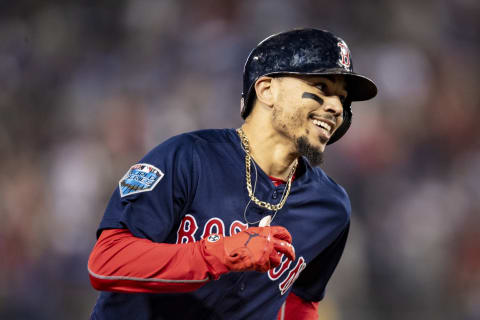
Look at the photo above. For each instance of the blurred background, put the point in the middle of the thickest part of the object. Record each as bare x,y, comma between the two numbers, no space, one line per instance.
87,87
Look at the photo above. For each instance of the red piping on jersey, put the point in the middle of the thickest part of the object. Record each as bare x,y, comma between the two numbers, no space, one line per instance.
295,308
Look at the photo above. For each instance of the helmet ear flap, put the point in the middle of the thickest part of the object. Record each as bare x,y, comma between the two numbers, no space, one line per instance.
243,108
347,121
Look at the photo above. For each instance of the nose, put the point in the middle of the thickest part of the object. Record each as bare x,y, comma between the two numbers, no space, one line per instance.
333,105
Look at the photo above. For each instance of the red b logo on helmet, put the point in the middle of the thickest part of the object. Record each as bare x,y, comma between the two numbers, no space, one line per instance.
345,55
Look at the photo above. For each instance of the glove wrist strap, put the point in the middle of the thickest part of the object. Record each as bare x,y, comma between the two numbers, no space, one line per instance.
213,252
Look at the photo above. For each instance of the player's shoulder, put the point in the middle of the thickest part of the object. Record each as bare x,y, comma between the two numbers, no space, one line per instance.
185,142
333,187
209,136
321,188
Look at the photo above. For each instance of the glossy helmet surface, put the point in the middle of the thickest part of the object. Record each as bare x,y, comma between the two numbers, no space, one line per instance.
306,52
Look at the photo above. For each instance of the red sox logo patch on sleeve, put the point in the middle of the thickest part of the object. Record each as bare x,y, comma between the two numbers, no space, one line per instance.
141,177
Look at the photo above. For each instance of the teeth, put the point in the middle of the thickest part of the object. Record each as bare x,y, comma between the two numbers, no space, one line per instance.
322,124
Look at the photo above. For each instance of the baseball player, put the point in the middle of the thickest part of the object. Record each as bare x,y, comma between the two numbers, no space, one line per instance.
238,223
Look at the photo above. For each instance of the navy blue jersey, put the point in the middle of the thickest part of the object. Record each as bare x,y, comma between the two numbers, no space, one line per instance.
194,185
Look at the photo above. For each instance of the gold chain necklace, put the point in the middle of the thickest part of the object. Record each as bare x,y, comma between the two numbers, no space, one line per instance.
248,158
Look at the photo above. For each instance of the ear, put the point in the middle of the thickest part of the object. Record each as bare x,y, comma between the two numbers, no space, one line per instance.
263,89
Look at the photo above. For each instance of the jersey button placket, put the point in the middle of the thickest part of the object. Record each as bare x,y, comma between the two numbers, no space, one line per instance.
277,193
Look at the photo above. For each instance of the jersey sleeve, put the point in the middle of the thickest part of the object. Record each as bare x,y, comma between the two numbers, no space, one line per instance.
154,193
311,284
295,308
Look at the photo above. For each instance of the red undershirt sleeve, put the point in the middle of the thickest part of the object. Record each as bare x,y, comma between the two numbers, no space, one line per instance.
121,262
295,308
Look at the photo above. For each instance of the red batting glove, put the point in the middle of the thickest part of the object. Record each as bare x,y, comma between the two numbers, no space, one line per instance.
254,249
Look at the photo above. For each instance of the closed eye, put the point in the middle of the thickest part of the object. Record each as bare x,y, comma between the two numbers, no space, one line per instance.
321,86
326,89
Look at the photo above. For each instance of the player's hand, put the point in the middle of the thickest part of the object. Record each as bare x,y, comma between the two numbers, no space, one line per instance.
257,248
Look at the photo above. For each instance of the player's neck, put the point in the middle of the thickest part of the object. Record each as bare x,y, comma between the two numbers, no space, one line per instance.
271,152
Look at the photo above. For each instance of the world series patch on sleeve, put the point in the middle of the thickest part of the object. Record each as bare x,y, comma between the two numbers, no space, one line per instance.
140,178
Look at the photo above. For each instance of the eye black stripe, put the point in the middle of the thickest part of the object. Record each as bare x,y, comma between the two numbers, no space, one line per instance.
313,96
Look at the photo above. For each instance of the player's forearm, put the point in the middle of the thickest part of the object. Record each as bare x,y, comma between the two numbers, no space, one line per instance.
123,263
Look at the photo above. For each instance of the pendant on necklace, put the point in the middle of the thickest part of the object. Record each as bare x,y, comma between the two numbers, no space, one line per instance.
265,222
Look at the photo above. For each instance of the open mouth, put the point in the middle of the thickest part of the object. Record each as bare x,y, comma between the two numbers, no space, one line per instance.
325,127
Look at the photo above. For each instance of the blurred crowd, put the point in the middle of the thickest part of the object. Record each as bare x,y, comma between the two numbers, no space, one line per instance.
86,88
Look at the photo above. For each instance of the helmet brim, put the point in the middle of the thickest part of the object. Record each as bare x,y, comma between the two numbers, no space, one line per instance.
359,88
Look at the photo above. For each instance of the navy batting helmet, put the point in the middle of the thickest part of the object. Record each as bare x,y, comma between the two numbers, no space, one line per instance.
306,52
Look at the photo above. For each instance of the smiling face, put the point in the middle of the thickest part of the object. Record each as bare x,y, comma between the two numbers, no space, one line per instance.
308,110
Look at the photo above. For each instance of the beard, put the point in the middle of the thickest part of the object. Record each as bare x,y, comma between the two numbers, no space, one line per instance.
313,154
